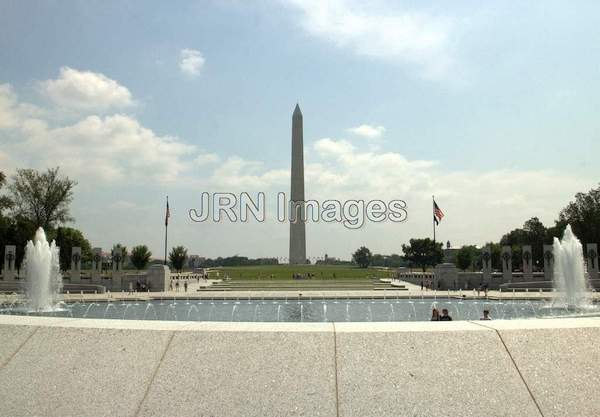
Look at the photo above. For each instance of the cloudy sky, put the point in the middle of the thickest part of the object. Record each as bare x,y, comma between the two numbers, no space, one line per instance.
491,106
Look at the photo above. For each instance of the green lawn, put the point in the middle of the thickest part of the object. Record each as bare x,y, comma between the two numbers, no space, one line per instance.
285,272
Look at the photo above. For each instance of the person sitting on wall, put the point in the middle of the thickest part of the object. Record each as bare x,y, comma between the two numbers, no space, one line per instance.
445,316
486,315
435,315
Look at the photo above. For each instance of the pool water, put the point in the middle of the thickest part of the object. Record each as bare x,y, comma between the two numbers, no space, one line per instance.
315,310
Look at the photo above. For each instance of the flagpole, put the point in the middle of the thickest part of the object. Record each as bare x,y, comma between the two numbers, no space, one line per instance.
166,229
433,217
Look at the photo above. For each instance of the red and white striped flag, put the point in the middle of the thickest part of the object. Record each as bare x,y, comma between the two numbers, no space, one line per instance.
438,214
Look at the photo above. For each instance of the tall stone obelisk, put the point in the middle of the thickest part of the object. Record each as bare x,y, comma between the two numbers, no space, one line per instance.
297,217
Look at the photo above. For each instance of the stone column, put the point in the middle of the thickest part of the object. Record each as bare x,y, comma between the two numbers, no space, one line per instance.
592,260
75,272
10,258
486,260
158,277
446,275
548,263
527,263
117,269
96,272
506,260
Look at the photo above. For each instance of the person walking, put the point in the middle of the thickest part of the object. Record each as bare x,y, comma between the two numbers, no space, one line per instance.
185,285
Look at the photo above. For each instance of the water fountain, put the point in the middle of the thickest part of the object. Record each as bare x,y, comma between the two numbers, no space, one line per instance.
44,281
570,278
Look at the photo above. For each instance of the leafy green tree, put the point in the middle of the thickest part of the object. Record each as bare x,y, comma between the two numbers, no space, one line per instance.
362,257
5,223
422,253
41,198
467,256
583,215
533,233
140,256
5,202
67,238
177,257
16,231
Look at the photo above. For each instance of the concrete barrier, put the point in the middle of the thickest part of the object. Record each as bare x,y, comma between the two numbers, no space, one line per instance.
86,367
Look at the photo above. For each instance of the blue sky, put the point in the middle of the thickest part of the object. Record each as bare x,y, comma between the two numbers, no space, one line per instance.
490,106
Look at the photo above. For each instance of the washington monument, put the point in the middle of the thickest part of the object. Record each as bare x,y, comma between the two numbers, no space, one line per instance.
297,217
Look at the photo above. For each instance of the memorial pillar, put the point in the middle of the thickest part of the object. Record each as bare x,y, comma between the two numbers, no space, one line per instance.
96,272
75,272
506,258
592,260
548,263
486,261
10,258
117,269
527,263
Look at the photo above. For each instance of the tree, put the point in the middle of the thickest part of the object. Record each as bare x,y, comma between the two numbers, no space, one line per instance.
140,256
583,215
466,257
42,198
16,231
423,253
362,257
533,233
177,257
5,202
67,238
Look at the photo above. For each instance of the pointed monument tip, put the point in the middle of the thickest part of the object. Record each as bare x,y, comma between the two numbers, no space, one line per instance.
297,110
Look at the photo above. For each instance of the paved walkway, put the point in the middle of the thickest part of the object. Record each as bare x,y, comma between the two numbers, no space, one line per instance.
413,292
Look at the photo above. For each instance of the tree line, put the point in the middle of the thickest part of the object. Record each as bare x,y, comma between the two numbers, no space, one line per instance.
583,214
31,199
35,199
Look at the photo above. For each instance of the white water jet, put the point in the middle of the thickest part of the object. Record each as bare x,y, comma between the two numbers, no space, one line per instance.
570,278
42,268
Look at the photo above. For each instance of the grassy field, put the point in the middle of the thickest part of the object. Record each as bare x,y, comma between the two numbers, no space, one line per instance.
285,272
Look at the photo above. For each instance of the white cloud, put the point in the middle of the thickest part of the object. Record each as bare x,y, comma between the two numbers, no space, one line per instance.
12,112
420,39
368,131
479,206
239,173
191,62
116,149
8,117
112,149
86,91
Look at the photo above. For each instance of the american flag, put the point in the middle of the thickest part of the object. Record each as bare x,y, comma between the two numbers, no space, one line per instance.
438,214
168,214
